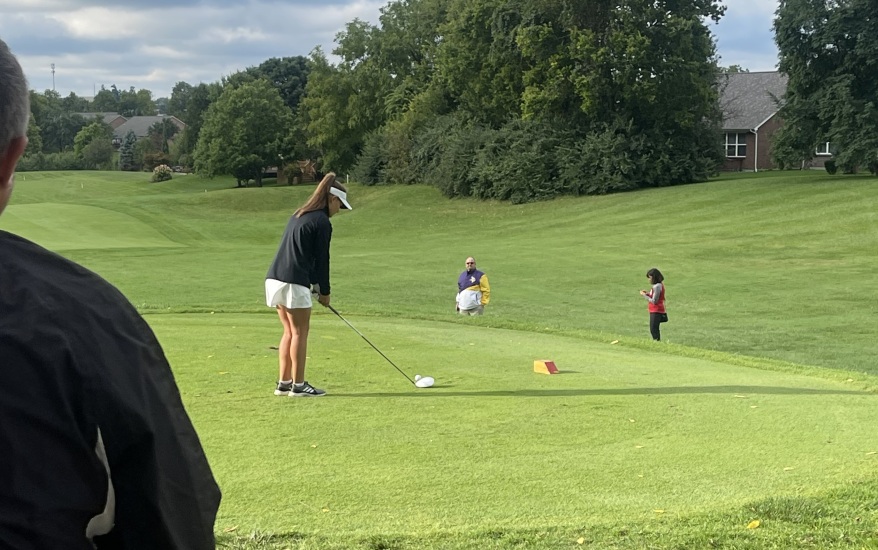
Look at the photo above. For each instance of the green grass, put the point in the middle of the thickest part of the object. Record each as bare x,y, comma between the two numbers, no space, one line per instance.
760,404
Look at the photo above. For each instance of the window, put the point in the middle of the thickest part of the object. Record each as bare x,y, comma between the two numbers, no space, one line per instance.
736,145
823,149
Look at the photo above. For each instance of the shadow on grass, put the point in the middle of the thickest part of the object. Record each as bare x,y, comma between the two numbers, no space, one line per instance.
737,390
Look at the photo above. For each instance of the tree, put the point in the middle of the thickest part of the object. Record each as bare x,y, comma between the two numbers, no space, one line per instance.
126,152
74,104
733,69
635,80
829,51
161,132
243,132
97,130
288,74
59,130
136,103
98,154
105,101
177,104
327,116
34,139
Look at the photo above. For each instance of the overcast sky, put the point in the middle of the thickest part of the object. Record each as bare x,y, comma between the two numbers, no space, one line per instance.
154,44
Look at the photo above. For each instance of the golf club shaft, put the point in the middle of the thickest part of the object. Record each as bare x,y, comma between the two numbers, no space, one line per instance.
371,344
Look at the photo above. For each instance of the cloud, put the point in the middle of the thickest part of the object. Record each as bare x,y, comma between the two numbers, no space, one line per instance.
96,43
745,36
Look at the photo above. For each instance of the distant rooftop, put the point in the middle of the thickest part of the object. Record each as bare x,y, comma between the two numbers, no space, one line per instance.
140,125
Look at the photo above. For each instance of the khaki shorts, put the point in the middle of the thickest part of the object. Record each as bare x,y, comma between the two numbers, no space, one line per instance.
477,311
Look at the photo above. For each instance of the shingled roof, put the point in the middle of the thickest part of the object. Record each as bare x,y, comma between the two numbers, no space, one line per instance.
108,118
140,125
750,99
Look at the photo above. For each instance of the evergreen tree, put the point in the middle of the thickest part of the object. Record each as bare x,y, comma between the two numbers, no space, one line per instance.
126,152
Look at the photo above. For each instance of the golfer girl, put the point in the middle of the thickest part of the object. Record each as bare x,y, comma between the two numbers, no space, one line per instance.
656,298
302,264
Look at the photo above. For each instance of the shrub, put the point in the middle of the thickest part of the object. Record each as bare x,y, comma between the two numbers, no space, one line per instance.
831,167
162,172
444,154
65,160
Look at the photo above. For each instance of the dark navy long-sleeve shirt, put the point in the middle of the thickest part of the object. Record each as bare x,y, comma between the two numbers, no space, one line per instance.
94,439
303,255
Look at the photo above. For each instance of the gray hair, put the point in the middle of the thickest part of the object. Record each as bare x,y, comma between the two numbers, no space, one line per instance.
14,98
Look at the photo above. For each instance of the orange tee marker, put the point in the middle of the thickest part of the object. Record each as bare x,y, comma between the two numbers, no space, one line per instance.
545,367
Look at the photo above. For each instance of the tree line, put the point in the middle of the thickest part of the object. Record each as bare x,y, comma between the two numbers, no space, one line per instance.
514,100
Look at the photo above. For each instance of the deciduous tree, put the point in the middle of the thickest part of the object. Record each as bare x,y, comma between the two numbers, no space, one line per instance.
829,51
97,130
243,132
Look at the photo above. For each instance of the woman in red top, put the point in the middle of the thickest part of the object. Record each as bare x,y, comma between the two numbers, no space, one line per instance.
656,298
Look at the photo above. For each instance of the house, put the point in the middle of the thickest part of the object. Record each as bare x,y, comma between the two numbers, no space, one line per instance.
750,102
140,125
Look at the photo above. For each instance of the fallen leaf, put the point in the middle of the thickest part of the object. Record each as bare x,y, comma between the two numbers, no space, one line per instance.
788,468
230,529
614,342
754,406
631,420
580,540
872,453
850,379
326,510
741,396
659,511
754,524
638,446
223,372
209,356
639,475
313,446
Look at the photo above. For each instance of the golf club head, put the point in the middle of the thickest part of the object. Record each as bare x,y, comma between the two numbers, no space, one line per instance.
424,381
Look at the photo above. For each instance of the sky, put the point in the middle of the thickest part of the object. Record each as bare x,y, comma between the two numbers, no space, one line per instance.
154,44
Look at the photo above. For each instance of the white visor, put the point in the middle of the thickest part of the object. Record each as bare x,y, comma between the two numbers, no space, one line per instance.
342,196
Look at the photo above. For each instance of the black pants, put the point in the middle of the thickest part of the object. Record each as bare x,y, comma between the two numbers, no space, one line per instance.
655,320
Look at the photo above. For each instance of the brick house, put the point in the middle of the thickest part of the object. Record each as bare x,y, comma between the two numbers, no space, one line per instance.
750,103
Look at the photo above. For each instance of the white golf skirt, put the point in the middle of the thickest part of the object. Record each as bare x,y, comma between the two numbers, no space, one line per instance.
279,293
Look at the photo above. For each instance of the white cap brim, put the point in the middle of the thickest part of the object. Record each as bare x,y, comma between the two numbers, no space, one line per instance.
342,196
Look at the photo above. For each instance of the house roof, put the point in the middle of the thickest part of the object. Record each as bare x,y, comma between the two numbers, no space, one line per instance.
107,117
750,99
140,125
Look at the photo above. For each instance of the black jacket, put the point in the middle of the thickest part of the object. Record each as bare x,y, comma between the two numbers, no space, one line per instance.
303,255
77,360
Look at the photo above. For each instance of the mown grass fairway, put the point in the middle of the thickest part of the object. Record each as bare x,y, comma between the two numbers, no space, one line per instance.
761,405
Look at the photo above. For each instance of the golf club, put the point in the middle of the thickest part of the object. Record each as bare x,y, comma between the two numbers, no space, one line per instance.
422,382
